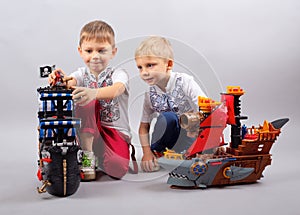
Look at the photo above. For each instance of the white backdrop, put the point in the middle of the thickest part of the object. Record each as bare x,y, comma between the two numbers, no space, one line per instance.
251,43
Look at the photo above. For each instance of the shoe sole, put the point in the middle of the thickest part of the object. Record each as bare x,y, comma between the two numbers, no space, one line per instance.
88,176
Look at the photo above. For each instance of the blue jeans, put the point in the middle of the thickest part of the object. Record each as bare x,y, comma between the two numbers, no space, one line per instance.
167,133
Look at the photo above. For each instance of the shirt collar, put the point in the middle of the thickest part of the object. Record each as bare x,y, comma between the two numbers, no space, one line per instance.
101,75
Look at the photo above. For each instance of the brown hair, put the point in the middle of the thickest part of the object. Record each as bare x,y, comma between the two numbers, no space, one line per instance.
98,30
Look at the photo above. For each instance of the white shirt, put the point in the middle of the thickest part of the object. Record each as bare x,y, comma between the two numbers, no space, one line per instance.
114,112
181,96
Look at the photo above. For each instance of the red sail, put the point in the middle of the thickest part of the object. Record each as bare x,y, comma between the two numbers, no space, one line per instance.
229,101
211,135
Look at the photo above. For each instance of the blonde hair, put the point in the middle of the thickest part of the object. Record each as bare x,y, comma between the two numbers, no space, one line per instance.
155,46
98,30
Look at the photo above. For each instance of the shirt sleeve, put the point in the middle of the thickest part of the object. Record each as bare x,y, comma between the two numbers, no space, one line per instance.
78,75
120,75
147,110
193,91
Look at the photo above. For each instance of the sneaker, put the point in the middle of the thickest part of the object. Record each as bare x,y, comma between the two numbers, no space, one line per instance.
88,166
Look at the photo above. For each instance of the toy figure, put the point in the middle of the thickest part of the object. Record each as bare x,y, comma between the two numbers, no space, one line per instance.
59,151
206,162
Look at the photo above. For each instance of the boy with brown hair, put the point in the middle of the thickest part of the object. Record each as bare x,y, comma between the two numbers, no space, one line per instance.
101,95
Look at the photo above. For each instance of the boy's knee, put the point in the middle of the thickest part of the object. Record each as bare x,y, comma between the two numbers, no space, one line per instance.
116,166
166,131
168,120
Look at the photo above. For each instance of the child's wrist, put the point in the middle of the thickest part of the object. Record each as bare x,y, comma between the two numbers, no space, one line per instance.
146,149
96,93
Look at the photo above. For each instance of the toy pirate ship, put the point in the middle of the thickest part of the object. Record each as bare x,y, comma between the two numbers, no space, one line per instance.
207,162
59,151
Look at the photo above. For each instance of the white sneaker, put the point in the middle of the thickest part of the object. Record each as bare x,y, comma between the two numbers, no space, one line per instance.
88,166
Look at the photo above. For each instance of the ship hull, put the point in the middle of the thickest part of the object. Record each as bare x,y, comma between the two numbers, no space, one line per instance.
257,162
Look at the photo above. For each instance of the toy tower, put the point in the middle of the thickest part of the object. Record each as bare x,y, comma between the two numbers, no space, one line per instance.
236,136
59,150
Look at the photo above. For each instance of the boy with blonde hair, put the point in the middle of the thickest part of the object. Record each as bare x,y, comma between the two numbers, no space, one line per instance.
101,95
170,94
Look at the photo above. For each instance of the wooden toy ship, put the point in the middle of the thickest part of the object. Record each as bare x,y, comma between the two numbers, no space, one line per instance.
59,151
207,162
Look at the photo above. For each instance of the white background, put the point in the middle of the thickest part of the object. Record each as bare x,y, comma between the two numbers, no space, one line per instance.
254,44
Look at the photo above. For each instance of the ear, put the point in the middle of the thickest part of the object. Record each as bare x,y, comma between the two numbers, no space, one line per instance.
170,64
114,51
79,50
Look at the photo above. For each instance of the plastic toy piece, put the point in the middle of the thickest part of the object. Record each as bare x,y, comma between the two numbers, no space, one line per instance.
206,105
205,163
171,154
46,183
235,90
59,151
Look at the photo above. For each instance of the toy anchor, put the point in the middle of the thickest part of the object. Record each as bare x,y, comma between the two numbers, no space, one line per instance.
46,183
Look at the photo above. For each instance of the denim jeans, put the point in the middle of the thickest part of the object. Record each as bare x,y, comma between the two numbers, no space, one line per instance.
167,133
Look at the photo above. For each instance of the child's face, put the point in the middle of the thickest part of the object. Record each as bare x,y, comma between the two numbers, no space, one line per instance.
154,70
96,55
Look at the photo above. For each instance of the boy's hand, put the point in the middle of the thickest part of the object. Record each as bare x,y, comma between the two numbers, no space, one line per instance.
149,163
83,95
52,77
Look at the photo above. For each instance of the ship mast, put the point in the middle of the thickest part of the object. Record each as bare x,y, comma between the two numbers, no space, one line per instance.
236,131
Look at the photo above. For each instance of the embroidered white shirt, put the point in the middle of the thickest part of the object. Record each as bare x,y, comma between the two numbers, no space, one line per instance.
114,112
181,96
